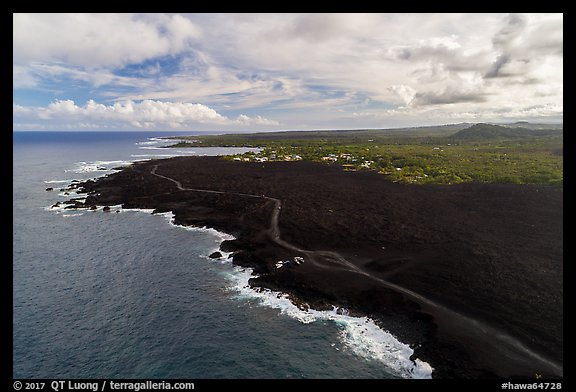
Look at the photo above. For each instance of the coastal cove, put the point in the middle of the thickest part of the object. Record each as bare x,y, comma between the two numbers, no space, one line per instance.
378,249
127,295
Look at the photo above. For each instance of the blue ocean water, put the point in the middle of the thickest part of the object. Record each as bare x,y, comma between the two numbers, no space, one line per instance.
130,295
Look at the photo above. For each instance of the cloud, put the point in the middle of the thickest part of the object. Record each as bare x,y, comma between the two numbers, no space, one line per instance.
99,40
258,120
23,78
316,28
405,93
92,48
446,50
144,114
504,42
521,46
514,25
466,113
447,97
94,78
317,68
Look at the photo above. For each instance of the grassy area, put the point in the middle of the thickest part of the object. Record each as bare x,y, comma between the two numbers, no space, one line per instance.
415,159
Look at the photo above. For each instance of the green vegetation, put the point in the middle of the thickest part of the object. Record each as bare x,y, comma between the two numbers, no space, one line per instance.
489,131
440,155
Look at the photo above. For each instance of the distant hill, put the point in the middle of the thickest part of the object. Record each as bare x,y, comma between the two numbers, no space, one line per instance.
483,131
427,131
529,125
375,134
460,131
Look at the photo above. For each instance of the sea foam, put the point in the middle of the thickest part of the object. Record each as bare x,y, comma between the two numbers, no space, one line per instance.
153,140
105,166
153,156
68,181
359,334
151,148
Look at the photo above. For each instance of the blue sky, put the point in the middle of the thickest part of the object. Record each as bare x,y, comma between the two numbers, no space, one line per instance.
252,72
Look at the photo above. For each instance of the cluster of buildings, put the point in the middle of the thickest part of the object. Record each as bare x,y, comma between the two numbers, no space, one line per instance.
272,157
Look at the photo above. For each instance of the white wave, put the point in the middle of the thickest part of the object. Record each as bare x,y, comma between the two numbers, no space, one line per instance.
60,181
119,162
154,156
169,216
151,141
61,207
71,215
366,339
146,210
151,148
219,236
102,166
359,334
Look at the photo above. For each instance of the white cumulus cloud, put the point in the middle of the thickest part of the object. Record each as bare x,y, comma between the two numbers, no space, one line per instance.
99,40
143,114
314,69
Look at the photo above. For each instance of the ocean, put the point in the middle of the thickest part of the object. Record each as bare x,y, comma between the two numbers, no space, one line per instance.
131,295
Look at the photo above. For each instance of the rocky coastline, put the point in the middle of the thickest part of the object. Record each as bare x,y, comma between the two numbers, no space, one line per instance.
427,263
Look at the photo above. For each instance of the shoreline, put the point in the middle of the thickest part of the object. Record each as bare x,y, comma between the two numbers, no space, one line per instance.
384,346
433,335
